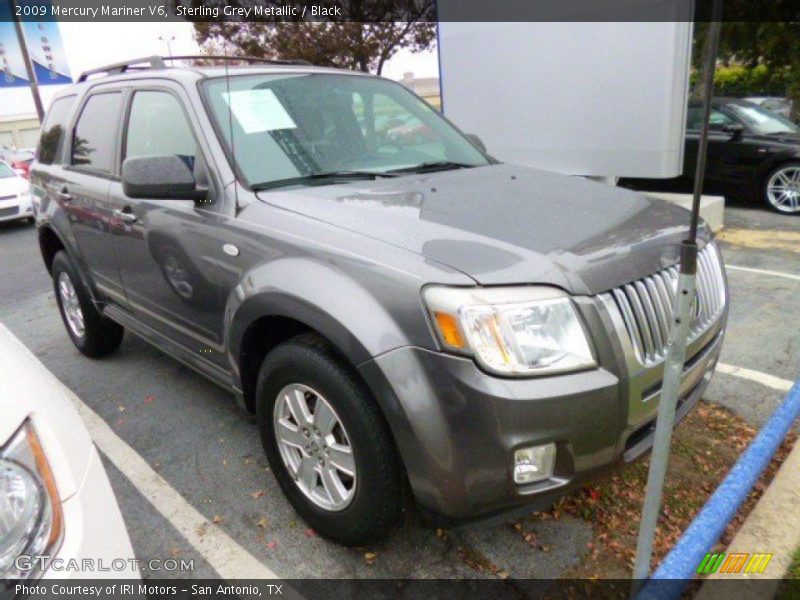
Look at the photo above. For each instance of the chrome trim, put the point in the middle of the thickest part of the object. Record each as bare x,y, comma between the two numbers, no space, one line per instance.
647,305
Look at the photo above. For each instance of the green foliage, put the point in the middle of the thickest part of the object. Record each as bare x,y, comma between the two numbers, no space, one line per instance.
741,80
765,54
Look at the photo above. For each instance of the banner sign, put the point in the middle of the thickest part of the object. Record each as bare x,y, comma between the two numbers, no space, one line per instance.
44,48
12,66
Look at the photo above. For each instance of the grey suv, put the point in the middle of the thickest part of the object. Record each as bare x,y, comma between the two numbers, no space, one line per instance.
401,312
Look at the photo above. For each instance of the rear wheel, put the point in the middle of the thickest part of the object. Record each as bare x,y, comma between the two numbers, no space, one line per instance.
92,333
782,189
327,443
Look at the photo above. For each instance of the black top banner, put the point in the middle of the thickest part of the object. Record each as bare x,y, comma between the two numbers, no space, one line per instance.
374,11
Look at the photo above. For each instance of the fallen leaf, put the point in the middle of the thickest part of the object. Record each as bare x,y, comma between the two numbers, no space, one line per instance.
149,399
310,533
272,544
257,494
263,522
216,520
503,574
121,408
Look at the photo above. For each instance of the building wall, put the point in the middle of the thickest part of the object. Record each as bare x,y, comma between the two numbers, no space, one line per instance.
19,131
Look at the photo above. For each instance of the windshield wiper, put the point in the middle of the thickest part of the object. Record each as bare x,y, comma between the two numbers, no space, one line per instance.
333,175
439,165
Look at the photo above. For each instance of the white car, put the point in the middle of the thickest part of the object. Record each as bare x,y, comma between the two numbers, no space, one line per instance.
56,502
15,195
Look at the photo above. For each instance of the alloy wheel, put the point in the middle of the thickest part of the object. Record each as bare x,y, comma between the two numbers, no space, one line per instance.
314,447
783,189
71,305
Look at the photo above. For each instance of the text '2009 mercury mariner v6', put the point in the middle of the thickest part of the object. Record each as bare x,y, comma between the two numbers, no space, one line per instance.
398,309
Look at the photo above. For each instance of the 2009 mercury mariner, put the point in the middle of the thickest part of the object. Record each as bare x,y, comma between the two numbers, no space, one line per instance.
400,310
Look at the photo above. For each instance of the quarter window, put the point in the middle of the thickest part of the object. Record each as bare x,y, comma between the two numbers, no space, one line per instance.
157,126
95,134
49,149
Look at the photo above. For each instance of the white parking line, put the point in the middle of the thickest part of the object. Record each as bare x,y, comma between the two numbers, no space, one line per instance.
763,272
225,556
776,383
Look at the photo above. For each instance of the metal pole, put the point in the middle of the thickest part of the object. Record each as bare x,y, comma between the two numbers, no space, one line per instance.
37,99
679,332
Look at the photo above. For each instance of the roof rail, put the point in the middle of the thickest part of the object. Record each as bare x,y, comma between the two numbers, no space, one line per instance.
160,62
155,62
270,61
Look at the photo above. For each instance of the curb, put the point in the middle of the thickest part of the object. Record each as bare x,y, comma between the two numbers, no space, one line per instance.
771,528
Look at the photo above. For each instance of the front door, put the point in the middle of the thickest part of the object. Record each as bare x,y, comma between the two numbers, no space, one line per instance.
166,248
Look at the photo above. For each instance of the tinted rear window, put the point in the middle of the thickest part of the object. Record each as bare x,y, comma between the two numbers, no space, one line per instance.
95,134
55,123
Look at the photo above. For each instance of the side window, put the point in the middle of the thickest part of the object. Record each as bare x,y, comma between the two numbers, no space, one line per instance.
157,126
95,134
50,142
716,120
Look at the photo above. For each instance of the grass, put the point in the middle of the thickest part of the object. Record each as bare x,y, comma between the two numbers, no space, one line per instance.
790,589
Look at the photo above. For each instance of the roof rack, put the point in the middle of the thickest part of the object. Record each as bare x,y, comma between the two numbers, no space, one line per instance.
160,62
155,62
251,59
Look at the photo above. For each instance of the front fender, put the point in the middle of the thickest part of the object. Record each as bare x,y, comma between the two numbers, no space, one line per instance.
357,316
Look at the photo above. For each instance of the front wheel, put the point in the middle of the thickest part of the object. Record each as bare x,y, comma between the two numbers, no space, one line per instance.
92,333
782,189
327,443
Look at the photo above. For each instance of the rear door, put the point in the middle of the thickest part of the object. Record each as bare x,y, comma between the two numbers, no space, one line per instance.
90,170
168,249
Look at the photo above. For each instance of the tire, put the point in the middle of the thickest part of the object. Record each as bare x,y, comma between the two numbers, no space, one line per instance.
99,336
781,190
375,497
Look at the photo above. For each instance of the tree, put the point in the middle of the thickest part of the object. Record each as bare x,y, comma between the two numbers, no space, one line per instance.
747,40
367,35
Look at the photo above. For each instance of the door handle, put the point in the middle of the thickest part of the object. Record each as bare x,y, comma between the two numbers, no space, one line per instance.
125,215
64,195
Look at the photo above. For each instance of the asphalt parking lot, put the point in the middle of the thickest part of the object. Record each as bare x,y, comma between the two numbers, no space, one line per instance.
208,451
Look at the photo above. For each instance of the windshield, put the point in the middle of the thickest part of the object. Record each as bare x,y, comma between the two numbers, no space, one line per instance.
6,171
290,127
763,121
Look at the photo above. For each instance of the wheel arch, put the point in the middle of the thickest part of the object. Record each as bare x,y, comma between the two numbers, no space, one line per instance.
49,244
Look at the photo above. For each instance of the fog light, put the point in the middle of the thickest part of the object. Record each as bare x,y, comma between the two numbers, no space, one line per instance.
534,463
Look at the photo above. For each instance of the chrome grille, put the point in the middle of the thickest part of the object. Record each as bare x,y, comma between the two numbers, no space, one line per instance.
647,305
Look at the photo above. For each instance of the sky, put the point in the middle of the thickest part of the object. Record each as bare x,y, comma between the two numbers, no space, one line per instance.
89,45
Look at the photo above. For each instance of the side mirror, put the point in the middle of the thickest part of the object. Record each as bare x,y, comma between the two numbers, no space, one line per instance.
159,178
476,141
735,130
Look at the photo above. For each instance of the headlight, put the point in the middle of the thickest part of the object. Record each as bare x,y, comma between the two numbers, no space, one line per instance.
30,509
521,331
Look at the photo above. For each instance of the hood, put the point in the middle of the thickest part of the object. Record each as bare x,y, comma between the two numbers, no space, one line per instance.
504,224
11,186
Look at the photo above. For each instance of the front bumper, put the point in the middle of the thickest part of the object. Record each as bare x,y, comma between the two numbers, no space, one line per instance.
18,207
457,427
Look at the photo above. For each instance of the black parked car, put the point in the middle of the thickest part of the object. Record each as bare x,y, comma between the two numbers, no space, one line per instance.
752,152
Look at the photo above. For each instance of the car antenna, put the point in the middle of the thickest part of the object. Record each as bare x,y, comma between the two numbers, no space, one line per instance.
230,120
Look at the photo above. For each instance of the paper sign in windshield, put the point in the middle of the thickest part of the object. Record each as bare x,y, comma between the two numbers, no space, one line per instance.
258,110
